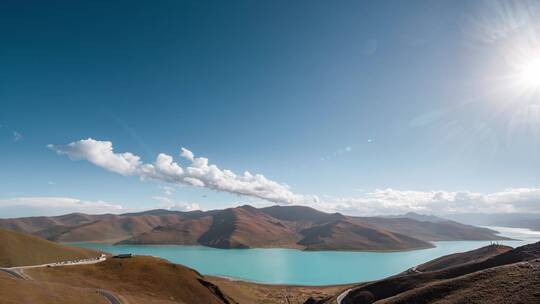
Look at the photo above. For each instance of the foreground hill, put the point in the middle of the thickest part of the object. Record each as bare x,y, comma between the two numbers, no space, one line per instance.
462,258
248,227
16,291
492,274
20,250
139,279
136,280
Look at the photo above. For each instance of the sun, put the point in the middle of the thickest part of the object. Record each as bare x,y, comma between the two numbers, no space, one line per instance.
529,74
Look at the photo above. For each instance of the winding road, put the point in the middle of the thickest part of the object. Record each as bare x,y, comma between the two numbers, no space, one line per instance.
343,295
109,296
16,272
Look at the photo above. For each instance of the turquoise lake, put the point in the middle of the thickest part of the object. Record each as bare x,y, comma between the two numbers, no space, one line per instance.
289,266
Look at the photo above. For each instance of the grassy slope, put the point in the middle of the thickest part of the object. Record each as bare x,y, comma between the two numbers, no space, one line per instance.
20,250
143,280
15,291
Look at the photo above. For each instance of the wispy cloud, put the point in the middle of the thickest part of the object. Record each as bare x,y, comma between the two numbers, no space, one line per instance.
339,152
25,206
198,173
391,201
169,204
167,190
17,136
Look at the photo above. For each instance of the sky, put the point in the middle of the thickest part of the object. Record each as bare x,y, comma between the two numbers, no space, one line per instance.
359,107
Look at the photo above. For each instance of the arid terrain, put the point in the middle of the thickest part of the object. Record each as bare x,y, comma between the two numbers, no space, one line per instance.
248,292
248,227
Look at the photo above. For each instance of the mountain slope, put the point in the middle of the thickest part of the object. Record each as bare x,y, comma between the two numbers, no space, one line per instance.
245,227
514,283
432,231
38,223
112,228
348,235
20,250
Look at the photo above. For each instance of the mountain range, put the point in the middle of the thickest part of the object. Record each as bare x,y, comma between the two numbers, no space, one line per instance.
249,227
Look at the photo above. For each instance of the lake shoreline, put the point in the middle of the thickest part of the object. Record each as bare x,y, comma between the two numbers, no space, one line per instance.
293,267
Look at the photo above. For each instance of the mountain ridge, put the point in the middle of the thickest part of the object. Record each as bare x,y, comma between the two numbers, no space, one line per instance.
297,227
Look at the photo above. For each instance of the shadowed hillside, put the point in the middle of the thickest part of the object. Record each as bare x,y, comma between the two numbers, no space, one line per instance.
461,258
354,236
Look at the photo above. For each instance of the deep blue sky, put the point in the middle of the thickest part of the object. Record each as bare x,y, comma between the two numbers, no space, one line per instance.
330,97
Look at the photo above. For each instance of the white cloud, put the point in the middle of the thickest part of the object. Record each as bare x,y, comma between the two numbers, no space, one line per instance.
185,153
100,153
198,173
27,206
390,201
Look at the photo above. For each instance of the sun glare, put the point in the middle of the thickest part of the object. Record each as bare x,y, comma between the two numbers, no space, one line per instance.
529,74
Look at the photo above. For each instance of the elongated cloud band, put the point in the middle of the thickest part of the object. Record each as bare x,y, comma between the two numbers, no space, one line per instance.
198,173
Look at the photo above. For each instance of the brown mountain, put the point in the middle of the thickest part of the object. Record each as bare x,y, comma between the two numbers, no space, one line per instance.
248,227
349,235
19,249
493,274
306,228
